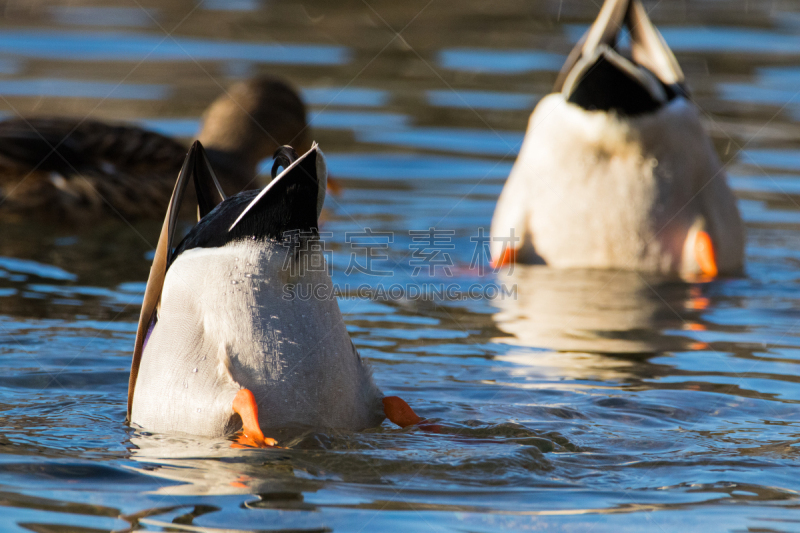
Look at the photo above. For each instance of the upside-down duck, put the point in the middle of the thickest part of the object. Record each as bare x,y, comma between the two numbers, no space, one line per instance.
225,340
616,170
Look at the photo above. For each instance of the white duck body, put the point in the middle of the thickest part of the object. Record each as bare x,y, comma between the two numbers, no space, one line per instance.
226,323
592,189
616,170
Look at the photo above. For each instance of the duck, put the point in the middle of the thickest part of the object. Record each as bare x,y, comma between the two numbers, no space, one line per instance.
226,343
616,170
77,170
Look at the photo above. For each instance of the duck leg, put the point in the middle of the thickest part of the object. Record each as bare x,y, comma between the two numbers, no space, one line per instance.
245,406
704,254
399,412
509,257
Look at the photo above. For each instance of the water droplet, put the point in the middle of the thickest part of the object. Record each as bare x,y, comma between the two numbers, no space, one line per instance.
195,370
199,410
234,282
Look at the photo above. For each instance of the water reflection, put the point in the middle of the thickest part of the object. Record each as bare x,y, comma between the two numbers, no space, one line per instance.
613,312
201,467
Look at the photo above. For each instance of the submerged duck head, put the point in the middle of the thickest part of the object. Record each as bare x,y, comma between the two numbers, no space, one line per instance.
599,76
225,341
248,124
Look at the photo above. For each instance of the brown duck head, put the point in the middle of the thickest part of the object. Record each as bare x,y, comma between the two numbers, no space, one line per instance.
248,124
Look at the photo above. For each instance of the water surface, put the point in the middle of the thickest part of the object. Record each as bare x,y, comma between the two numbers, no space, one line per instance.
588,401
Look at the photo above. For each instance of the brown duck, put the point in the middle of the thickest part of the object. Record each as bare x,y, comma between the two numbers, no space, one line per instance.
67,169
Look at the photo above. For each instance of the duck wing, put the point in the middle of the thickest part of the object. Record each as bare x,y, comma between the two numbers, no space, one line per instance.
208,193
69,146
649,49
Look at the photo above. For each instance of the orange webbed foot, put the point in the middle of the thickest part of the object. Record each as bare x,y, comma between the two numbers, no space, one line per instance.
245,406
508,257
704,254
398,411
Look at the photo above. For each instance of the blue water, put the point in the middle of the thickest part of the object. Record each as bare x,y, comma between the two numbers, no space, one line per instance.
583,401
113,46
